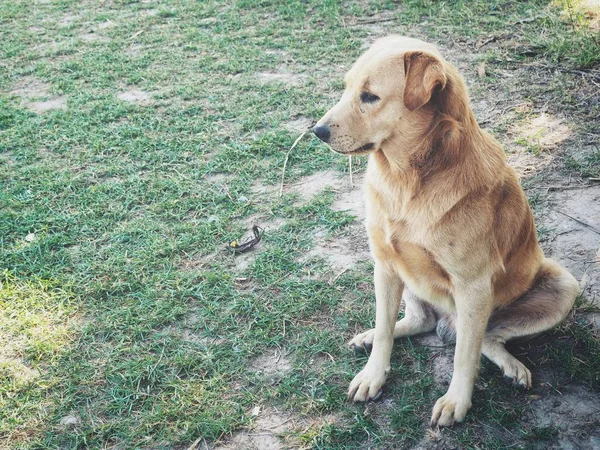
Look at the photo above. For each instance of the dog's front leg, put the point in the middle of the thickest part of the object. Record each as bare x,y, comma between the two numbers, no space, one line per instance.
473,308
367,383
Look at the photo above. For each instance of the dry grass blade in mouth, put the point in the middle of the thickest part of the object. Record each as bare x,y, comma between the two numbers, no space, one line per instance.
287,156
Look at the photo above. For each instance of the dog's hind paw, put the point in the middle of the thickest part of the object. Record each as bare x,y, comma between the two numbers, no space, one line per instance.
517,373
362,342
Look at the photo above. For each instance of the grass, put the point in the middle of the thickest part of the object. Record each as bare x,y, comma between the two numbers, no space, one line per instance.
124,322
586,166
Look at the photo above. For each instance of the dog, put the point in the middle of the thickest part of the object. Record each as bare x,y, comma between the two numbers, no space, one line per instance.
449,226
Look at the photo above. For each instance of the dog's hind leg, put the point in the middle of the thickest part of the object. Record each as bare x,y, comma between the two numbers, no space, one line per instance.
545,305
419,317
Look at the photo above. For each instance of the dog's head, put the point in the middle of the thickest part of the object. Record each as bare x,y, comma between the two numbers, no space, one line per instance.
390,89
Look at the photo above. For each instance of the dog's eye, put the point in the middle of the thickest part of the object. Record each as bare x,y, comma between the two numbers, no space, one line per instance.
367,97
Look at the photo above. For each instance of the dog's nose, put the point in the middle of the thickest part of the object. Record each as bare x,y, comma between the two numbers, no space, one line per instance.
322,132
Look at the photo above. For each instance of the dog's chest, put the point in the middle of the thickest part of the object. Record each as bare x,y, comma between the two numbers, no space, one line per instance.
400,235
404,221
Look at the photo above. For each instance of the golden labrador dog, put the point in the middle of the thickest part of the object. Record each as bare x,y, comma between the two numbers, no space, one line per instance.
448,223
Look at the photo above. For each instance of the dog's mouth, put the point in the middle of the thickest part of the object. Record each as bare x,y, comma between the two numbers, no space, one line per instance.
361,149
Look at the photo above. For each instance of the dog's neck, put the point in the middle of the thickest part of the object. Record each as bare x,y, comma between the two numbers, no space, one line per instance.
433,144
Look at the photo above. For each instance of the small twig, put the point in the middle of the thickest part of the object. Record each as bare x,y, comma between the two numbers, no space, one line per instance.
136,34
350,169
162,353
280,424
287,156
581,222
504,111
492,38
194,446
435,355
594,179
334,279
557,188
330,357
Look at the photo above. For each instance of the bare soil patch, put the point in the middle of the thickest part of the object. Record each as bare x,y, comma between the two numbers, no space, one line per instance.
35,95
544,131
443,357
283,76
259,188
311,185
135,50
48,105
69,19
271,363
195,263
106,25
134,95
351,199
573,244
527,164
341,253
264,433
299,125
94,37
265,221
574,411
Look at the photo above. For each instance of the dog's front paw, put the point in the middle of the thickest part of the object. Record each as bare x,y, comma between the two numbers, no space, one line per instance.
363,341
449,409
367,384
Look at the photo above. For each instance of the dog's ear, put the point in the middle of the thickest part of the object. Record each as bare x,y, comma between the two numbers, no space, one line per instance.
423,75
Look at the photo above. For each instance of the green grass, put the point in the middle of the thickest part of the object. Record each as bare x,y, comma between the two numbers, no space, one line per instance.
561,33
587,166
121,306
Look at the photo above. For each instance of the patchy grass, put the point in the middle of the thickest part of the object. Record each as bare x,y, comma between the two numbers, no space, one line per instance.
38,325
560,31
137,139
587,166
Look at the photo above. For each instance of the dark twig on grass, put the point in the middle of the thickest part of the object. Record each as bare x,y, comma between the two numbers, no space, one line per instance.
557,187
589,74
561,188
504,111
367,22
528,19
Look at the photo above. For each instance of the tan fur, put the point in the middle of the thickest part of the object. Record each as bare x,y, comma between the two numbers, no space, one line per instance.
449,225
